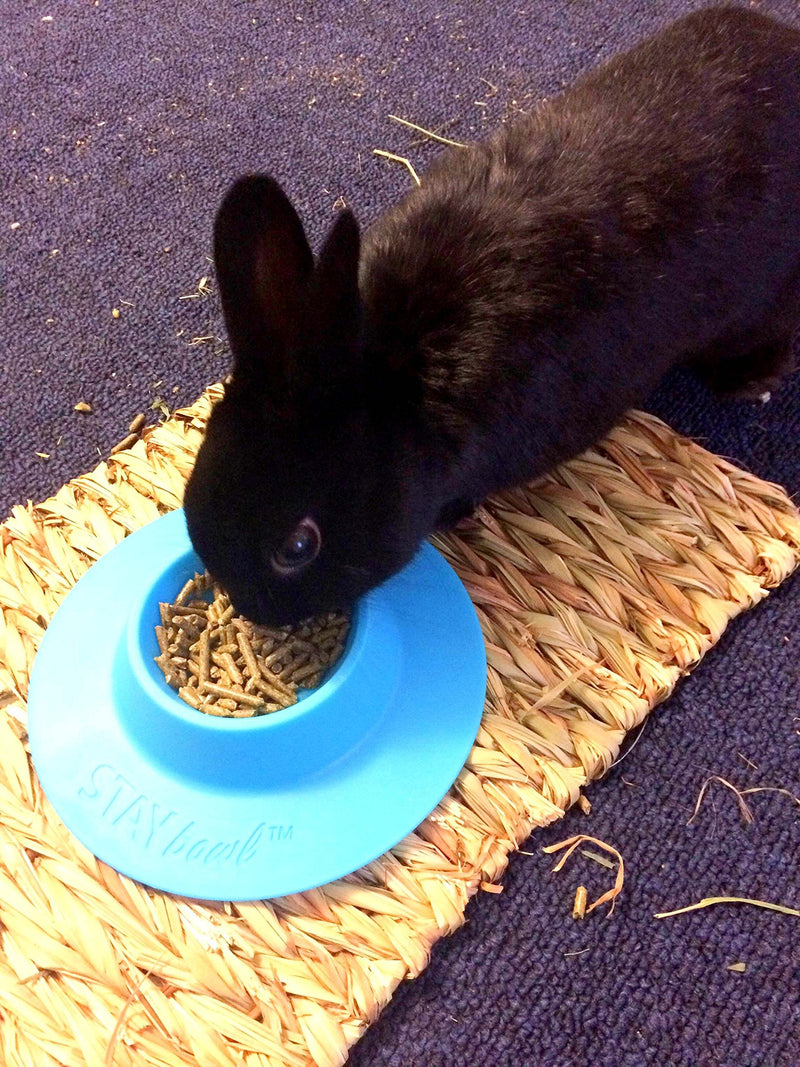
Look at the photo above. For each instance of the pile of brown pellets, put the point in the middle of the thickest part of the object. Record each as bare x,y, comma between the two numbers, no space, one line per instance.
223,664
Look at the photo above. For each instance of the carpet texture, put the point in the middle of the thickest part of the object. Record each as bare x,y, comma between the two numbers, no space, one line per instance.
121,129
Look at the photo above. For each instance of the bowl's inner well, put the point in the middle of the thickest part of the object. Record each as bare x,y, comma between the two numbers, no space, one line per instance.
222,664
143,648
324,725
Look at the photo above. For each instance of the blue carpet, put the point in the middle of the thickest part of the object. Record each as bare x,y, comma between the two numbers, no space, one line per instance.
121,127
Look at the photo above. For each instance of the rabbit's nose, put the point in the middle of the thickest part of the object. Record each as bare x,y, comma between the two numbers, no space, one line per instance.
247,605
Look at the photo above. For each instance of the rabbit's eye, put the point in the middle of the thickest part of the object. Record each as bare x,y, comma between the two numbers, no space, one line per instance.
299,549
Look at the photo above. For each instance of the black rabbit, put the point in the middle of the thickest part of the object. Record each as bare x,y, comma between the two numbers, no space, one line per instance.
503,316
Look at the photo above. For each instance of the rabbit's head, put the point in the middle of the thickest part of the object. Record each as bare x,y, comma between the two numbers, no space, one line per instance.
299,498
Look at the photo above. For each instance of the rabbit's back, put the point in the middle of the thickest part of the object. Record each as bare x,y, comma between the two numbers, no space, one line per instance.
643,215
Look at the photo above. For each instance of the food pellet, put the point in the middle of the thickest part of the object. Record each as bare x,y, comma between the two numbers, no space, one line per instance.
579,907
223,664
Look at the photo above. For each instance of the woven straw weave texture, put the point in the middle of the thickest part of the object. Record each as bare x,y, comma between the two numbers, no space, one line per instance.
596,588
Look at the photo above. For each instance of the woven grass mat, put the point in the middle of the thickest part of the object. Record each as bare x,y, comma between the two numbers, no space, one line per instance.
596,588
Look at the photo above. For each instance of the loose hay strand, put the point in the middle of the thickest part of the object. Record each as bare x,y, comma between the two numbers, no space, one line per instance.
596,588
571,844
428,133
708,902
398,159
740,794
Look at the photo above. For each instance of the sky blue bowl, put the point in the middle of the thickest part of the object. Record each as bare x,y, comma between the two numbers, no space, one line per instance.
243,809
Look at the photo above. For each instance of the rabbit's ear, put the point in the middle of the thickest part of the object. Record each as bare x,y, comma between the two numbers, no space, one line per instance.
336,276
263,264
334,297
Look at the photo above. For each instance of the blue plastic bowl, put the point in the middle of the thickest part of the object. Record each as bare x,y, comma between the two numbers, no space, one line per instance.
242,809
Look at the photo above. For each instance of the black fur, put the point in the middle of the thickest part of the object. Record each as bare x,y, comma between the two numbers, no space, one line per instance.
503,316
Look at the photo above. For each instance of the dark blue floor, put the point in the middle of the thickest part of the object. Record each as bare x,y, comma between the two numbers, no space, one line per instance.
121,127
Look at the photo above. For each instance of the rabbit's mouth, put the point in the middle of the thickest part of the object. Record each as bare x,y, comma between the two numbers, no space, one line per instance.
266,607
